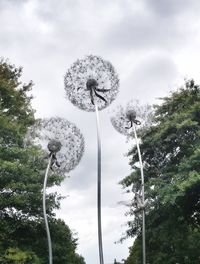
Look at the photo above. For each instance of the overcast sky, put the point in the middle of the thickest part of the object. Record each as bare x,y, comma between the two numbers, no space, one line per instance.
153,45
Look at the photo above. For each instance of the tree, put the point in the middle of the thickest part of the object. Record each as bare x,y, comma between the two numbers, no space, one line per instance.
21,178
171,152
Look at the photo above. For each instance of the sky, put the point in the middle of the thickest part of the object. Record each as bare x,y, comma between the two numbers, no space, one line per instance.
153,46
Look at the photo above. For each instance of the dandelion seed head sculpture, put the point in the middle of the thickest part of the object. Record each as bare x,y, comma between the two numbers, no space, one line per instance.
123,117
60,137
91,80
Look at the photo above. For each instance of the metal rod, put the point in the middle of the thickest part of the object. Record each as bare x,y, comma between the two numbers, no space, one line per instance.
143,199
44,212
99,187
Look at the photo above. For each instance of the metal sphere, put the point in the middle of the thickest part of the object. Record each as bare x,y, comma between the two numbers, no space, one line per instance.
91,84
131,115
87,74
54,146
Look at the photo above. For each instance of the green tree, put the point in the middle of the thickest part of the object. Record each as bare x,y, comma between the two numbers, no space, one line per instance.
171,154
21,179
15,255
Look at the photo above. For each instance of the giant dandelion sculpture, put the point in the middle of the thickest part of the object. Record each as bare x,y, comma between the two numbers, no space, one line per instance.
92,84
125,120
65,145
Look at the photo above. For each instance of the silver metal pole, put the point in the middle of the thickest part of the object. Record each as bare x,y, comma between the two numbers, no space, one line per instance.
99,187
45,214
143,199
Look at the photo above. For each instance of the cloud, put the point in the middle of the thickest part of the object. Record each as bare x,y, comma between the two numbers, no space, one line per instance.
170,8
144,30
150,25
147,77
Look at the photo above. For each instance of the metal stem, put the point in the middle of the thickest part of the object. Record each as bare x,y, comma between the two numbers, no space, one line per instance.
44,212
143,199
99,187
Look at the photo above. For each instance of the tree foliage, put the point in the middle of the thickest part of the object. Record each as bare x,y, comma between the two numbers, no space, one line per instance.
15,255
22,168
171,154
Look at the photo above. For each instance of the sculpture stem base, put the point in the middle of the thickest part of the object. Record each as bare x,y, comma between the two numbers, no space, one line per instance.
44,211
99,187
143,199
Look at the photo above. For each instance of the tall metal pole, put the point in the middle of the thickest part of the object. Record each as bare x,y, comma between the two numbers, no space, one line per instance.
99,187
143,199
45,214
